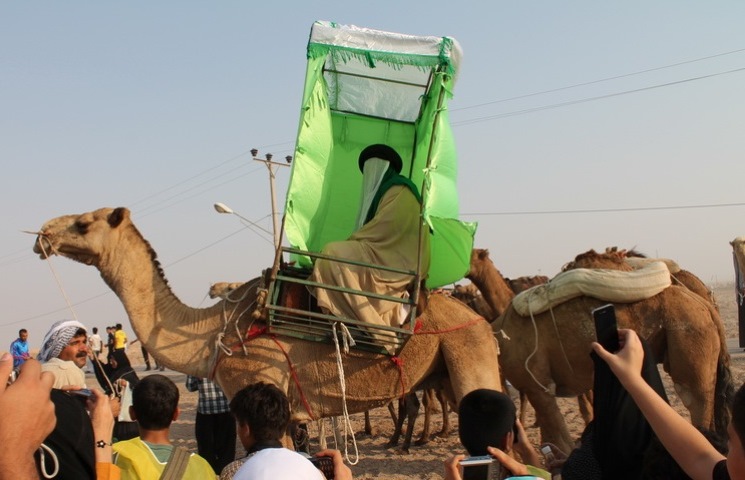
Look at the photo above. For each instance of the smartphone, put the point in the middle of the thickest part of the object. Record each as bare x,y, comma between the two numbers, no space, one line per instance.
484,467
325,465
83,392
606,328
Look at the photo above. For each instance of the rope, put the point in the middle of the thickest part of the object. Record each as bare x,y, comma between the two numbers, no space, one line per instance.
56,278
343,387
535,349
293,373
43,464
400,364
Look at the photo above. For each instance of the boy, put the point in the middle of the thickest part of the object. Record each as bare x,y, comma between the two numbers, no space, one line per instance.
154,407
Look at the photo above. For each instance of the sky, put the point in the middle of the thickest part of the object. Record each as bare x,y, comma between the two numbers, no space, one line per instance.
578,125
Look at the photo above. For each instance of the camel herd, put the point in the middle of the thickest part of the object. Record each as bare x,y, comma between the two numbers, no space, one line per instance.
543,354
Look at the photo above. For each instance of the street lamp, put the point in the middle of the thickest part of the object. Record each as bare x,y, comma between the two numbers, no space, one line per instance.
222,208
271,167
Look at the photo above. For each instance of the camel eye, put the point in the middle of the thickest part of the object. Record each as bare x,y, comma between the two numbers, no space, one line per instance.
81,227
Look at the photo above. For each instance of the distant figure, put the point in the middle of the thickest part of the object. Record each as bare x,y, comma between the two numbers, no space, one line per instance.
19,349
146,356
95,343
118,378
154,407
109,340
120,338
214,426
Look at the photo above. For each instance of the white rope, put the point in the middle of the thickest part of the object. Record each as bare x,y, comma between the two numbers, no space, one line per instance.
343,387
535,349
56,278
43,465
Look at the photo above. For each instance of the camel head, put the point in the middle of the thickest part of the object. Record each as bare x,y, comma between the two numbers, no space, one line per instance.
738,247
223,289
84,238
478,257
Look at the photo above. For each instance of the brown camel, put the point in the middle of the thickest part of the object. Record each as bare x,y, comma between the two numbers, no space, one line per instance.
497,292
451,340
548,355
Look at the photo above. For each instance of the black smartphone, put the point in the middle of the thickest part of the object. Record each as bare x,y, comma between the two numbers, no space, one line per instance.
606,328
325,465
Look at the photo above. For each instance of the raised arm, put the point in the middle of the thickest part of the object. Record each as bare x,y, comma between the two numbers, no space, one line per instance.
683,441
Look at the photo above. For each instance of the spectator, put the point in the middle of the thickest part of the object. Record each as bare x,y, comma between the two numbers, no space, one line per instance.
26,417
487,425
110,340
19,349
146,356
154,407
262,412
214,426
120,338
95,343
690,449
118,378
64,351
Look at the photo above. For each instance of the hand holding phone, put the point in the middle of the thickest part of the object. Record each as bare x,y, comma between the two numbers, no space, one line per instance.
606,328
325,465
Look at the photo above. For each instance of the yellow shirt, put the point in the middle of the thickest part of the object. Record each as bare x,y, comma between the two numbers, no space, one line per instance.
137,461
120,339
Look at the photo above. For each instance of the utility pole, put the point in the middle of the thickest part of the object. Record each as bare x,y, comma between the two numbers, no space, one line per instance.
272,167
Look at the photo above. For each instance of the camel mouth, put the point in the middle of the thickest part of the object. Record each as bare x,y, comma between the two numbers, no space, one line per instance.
43,247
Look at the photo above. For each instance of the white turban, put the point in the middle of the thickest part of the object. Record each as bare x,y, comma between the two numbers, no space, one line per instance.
57,338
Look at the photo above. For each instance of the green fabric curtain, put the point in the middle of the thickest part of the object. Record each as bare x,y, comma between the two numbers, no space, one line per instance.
342,113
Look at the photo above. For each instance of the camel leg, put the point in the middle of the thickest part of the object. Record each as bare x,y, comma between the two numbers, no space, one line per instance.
585,406
399,424
411,404
549,417
337,431
427,402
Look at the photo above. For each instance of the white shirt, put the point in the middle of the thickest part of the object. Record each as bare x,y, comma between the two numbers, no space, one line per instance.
276,464
95,342
65,373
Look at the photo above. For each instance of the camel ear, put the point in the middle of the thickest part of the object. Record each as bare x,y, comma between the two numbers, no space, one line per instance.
117,216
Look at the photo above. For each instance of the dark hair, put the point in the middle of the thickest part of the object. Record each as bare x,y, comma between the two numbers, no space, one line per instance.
384,152
95,330
154,400
118,326
485,417
264,408
23,330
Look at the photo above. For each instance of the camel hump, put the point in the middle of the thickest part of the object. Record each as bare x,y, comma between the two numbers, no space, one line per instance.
610,285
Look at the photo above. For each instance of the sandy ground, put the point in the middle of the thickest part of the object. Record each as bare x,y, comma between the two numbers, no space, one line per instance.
425,462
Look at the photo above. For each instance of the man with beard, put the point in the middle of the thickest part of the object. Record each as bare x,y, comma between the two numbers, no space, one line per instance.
64,353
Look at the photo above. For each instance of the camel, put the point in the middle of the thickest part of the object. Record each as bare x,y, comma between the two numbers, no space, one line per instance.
225,342
223,289
548,355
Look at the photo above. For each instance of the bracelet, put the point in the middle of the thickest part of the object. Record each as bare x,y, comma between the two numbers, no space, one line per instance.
102,444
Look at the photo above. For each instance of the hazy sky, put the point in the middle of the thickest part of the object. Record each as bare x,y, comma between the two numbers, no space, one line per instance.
635,110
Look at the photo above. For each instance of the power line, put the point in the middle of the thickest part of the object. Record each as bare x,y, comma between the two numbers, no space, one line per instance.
590,99
592,82
606,210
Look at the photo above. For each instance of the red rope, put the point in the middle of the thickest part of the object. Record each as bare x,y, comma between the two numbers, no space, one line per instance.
398,361
255,332
294,377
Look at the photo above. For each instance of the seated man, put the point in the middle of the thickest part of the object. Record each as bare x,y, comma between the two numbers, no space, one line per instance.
388,234
154,407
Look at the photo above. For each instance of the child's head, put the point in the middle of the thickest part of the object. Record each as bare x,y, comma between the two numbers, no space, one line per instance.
264,409
485,417
155,402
